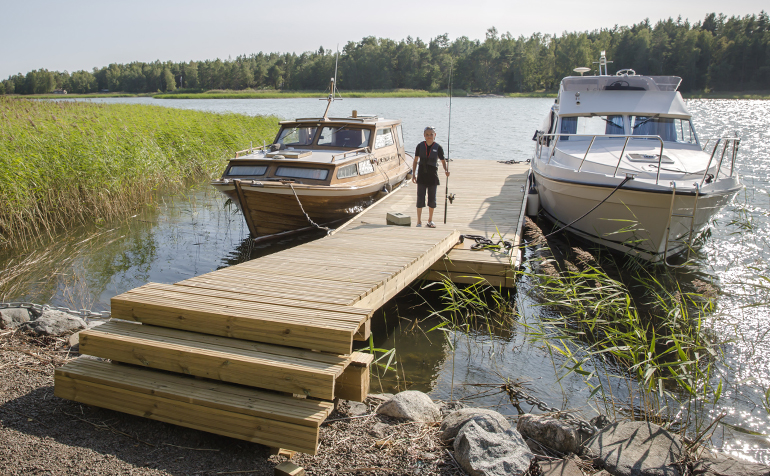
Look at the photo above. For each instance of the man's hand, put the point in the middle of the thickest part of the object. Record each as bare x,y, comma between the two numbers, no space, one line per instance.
414,178
447,173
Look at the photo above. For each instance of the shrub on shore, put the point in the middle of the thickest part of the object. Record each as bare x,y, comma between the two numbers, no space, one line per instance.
65,163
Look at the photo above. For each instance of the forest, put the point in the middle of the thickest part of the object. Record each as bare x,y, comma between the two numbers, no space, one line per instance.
715,54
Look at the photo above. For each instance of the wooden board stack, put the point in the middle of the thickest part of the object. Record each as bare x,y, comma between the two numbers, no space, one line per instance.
256,351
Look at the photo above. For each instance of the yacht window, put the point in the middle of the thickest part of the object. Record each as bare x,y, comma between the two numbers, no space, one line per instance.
247,170
344,136
668,128
590,126
347,171
384,138
365,167
302,172
296,135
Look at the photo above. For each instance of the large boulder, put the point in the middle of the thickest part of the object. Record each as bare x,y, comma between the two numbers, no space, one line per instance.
726,466
13,317
411,405
484,453
550,432
636,448
54,323
489,420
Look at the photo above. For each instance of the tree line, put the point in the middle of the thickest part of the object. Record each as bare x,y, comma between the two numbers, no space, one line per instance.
718,53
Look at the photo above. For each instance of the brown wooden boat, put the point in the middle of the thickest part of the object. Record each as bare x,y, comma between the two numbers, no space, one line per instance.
318,171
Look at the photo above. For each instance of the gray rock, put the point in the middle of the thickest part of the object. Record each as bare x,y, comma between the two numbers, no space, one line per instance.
54,323
411,405
636,448
482,453
12,318
357,408
726,466
549,432
489,420
565,467
379,430
449,407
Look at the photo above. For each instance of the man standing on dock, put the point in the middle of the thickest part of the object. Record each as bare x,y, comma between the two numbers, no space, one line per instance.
428,152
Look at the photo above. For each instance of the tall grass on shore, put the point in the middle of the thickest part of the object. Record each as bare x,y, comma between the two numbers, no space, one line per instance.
69,163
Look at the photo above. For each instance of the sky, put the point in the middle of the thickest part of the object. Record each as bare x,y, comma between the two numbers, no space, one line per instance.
84,34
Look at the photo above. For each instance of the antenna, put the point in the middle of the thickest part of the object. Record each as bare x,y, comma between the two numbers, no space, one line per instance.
603,62
332,86
581,70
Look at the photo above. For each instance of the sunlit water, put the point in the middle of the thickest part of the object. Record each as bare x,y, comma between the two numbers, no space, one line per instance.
189,234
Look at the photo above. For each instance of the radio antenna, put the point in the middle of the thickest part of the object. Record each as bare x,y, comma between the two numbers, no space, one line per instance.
332,87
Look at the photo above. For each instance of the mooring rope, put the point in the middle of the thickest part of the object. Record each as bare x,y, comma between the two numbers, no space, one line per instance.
328,230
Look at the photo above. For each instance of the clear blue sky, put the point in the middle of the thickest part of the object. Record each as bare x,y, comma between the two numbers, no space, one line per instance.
79,35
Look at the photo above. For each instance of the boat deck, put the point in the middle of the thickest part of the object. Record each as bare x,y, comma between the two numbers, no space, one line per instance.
237,351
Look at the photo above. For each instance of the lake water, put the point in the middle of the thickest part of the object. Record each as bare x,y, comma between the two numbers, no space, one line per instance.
189,234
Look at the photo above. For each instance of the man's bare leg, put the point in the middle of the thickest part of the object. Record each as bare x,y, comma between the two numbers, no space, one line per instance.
419,215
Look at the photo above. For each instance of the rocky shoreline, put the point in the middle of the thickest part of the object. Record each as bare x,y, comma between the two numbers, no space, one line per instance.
406,433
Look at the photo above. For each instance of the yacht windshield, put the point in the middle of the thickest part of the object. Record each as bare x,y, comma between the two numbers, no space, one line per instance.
668,128
344,137
302,135
591,126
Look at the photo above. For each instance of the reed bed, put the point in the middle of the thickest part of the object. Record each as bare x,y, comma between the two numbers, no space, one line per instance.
64,164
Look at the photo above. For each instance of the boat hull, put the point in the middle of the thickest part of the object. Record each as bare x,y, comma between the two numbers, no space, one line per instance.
632,221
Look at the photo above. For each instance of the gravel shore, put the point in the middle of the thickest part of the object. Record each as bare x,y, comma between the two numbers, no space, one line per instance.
43,434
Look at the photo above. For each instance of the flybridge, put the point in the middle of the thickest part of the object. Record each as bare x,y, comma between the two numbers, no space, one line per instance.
624,82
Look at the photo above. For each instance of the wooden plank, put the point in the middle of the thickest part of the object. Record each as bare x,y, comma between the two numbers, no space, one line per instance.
233,362
353,384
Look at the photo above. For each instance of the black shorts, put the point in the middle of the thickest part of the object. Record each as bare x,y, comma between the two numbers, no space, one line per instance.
431,189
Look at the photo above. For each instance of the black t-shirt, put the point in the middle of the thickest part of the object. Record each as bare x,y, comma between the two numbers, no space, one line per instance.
427,170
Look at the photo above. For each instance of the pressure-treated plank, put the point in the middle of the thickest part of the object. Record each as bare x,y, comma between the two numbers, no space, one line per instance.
229,360
353,384
225,409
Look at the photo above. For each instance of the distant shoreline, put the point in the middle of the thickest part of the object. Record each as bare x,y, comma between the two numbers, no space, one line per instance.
395,93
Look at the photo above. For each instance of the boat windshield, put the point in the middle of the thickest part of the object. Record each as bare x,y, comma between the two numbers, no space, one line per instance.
344,137
668,128
301,135
591,126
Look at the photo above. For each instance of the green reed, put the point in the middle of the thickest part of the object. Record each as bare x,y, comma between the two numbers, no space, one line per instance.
68,163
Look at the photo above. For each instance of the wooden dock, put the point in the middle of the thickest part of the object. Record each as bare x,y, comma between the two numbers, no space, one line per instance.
259,350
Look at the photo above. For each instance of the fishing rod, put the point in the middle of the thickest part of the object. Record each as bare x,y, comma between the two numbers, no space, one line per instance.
447,197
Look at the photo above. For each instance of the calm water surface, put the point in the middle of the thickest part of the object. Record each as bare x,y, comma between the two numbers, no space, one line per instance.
189,234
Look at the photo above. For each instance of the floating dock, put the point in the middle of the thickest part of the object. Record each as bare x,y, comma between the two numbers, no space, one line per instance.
260,350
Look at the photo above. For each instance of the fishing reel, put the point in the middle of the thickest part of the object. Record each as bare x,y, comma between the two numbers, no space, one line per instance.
451,197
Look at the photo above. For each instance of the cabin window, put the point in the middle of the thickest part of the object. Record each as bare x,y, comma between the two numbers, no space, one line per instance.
302,172
668,128
365,167
400,134
247,170
384,138
344,137
347,171
302,135
590,126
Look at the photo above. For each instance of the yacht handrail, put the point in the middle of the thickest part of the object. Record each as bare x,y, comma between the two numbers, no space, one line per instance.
357,151
727,140
593,138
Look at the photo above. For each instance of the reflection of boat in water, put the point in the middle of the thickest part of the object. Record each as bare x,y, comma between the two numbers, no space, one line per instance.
604,130
320,169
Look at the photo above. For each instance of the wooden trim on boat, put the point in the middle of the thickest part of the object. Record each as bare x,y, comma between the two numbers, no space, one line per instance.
242,203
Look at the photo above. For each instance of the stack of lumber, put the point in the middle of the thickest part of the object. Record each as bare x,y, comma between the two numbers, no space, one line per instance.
256,351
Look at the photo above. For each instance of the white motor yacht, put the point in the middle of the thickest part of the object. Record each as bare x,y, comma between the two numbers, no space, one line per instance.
618,162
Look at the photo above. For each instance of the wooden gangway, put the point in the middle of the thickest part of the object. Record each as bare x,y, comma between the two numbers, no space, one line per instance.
259,350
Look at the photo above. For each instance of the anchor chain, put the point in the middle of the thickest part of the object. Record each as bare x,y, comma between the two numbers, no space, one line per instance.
570,419
39,308
328,230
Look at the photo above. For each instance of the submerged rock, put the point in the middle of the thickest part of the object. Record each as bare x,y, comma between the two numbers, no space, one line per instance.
636,448
726,466
12,318
54,323
483,453
550,432
489,420
411,405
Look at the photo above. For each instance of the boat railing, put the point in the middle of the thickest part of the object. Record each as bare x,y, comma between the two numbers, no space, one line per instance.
725,141
728,143
354,151
251,149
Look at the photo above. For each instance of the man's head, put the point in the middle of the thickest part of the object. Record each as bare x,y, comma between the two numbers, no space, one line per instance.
430,134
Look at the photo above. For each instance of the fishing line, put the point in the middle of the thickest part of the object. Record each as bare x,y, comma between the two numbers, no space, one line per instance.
448,135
